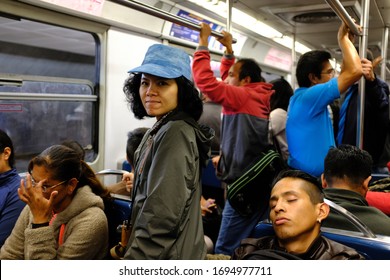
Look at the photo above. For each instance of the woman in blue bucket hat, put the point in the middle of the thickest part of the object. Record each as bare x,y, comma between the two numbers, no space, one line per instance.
166,216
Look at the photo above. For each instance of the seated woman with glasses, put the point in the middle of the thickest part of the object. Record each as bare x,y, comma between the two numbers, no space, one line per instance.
64,217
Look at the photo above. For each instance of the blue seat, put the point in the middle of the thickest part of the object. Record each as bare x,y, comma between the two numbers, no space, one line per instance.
372,248
117,212
209,178
122,208
126,166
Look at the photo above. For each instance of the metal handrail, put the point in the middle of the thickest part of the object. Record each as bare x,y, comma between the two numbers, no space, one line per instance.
338,8
164,15
111,172
352,218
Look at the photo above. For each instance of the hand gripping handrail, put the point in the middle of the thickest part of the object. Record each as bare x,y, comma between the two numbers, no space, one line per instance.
338,8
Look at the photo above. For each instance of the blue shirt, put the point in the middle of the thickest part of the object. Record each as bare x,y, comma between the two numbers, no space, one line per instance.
10,204
309,129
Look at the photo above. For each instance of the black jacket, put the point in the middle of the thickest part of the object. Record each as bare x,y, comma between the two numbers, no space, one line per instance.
321,249
376,118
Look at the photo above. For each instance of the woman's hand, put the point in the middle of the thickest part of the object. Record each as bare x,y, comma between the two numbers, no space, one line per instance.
41,208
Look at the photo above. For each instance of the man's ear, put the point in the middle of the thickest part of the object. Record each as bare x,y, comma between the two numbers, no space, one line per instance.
324,183
246,80
365,185
7,153
313,79
366,182
324,210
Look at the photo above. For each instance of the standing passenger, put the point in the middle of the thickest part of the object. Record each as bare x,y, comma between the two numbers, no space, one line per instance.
10,204
166,215
125,186
376,114
211,116
64,218
277,118
309,128
245,107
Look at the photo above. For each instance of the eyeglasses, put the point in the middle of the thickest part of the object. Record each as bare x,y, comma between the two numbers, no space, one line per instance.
45,188
330,72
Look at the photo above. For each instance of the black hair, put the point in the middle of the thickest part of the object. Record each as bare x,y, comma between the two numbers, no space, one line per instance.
282,93
347,162
134,138
250,68
5,141
311,62
189,100
73,144
314,189
64,163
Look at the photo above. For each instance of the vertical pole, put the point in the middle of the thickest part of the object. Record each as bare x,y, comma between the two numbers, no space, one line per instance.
229,4
293,60
362,83
385,39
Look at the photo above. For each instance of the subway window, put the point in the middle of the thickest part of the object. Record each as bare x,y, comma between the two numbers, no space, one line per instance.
48,87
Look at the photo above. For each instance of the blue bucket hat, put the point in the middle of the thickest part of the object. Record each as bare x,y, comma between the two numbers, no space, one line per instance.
166,62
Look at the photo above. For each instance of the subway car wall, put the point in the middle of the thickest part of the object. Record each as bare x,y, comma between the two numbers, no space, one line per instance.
63,77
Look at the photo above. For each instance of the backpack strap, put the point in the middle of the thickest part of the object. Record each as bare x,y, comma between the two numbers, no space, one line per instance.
253,172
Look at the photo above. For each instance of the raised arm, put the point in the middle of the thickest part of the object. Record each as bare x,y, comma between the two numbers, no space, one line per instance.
205,32
351,70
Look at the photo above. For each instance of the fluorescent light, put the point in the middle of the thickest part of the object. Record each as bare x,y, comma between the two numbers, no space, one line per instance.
288,42
251,23
301,48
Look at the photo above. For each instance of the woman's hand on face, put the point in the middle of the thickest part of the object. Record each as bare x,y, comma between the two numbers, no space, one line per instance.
40,207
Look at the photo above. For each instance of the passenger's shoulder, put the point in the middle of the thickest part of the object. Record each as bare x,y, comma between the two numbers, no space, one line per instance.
340,251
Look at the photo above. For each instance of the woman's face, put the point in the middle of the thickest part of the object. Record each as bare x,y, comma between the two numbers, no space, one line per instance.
158,95
40,173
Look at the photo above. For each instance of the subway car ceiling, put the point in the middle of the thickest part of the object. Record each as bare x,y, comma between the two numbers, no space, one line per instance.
312,22
39,35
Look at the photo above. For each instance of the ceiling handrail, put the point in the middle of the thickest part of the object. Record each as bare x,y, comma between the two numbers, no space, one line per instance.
340,11
150,10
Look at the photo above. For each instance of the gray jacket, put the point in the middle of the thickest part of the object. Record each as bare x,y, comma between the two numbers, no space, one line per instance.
166,216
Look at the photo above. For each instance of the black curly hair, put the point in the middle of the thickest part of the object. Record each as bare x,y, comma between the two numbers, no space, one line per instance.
189,99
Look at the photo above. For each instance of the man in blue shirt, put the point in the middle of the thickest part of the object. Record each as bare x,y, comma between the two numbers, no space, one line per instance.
309,129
